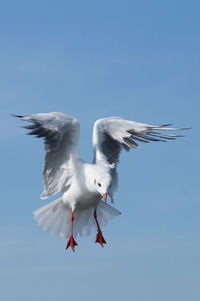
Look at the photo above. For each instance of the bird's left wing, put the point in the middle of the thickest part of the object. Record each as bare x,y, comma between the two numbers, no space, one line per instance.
111,135
61,136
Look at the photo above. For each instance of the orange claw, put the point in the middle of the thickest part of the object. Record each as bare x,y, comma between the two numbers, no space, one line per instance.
100,239
71,242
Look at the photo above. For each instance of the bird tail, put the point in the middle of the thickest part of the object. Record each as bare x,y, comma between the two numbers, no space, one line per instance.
55,218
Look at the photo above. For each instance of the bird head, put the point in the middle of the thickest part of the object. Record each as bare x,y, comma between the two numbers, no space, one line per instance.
102,184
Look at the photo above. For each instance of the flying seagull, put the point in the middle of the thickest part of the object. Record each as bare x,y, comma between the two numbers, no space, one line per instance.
81,209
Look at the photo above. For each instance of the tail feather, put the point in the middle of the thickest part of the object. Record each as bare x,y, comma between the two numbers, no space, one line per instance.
55,218
106,213
86,222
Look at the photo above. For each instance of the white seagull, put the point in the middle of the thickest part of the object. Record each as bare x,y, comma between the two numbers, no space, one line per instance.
81,210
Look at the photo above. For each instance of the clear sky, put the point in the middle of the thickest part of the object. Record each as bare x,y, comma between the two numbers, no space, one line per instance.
93,59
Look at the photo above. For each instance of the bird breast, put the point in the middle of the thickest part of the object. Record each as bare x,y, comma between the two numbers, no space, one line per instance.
78,196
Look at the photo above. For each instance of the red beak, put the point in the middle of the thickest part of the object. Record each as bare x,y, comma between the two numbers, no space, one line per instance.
105,196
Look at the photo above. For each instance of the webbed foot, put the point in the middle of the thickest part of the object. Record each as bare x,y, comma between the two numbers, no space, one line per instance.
100,239
71,242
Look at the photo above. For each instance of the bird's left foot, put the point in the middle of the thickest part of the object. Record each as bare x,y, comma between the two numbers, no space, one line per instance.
100,239
71,242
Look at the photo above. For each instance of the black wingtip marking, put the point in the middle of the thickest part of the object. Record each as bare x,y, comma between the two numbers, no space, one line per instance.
30,127
130,142
164,125
17,116
183,129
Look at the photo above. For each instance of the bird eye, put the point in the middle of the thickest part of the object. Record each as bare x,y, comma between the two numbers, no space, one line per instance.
99,184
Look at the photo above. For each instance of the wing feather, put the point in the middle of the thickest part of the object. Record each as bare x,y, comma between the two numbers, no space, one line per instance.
111,135
61,135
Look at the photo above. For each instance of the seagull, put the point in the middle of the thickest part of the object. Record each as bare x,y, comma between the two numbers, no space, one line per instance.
83,207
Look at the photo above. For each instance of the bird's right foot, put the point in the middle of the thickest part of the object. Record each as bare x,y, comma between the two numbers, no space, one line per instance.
100,239
71,242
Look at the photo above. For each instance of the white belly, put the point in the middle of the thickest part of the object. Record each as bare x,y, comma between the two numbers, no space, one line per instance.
77,198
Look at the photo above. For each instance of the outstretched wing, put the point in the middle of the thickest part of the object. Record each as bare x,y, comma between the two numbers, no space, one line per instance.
111,135
61,136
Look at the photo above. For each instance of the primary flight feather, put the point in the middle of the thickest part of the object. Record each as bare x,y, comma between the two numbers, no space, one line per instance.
81,210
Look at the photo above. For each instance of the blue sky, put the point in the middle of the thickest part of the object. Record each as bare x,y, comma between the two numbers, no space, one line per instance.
92,59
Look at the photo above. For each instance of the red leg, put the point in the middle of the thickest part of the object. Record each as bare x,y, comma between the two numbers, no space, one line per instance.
71,242
99,237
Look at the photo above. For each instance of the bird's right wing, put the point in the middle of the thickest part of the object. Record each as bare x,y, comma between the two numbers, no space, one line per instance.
61,136
112,134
